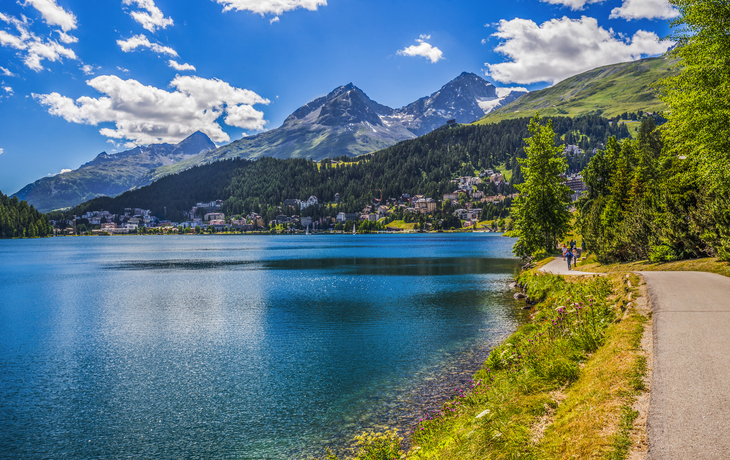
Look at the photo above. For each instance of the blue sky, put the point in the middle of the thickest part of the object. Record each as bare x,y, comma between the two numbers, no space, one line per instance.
78,77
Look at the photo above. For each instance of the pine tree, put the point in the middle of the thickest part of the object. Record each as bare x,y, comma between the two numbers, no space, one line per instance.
540,212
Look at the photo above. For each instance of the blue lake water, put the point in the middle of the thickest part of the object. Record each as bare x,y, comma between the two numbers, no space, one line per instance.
245,347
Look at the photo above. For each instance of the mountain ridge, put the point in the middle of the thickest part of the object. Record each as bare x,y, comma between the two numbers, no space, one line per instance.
343,122
110,174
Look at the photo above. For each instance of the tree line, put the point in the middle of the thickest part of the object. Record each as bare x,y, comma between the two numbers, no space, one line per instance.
19,220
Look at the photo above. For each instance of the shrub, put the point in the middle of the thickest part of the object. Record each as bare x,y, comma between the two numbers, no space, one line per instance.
662,253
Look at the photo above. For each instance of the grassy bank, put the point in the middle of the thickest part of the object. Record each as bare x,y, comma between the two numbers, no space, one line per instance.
562,386
710,265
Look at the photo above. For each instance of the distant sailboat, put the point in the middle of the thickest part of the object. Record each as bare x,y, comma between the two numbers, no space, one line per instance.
307,229
353,230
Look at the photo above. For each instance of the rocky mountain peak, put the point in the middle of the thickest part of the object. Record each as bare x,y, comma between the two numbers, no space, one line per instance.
345,105
194,144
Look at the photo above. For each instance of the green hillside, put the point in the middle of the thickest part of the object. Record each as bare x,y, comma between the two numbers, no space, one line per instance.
608,91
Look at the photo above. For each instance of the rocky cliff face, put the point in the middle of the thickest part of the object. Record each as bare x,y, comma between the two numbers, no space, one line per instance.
459,99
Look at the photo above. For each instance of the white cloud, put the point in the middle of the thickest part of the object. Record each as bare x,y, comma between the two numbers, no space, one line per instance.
180,67
64,171
31,47
274,19
572,4
66,38
504,92
276,7
87,69
141,41
6,72
123,69
564,47
146,115
8,89
645,9
150,20
2,151
423,49
53,14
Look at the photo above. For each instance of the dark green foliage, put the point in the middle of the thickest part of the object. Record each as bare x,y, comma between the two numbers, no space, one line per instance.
618,214
541,211
18,220
422,166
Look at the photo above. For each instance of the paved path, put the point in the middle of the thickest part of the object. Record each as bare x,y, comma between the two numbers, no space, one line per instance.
559,266
689,408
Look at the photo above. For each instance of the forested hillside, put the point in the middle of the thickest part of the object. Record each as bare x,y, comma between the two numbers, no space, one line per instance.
420,166
18,220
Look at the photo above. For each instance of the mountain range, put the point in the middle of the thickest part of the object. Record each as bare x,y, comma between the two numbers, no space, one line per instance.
110,174
344,122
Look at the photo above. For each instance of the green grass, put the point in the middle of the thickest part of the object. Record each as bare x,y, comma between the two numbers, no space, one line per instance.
709,264
610,91
402,225
632,126
503,170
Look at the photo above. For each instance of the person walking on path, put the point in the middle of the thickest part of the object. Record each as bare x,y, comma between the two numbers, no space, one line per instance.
569,256
564,251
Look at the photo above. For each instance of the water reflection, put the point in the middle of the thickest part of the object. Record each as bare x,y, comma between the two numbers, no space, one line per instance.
175,347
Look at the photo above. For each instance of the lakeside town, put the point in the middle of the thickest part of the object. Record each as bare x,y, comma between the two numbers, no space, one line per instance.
479,202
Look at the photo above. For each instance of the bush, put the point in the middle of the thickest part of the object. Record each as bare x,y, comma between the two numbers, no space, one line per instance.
662,253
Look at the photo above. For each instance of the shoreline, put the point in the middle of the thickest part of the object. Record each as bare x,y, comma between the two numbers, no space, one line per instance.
434,387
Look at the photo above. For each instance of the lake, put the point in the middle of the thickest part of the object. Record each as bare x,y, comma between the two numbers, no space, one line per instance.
246,347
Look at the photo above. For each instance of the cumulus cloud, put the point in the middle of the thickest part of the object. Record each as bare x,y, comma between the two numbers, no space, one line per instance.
645,9
66,38
504,92
8,89
87,69
146,114
122,69
2,151
6,72
572,4
141,41
151,19
32,48
274,19
64,171
564,47
423,49
53,14
276,7
180,67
